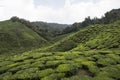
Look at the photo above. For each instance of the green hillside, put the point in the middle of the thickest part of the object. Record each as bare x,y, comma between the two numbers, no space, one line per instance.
48,30
15,36
91,53
73,65
107,38
109,17
94,55
92,37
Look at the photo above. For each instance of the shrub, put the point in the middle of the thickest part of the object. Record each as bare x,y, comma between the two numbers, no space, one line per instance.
37,55
6,76
106,61
22,76
52,64
19,58
45,72
112,71
104,52
26,74
28,61
114,57
14,69
54,76
91,66
79,60
37,64
70,56
3,69
93,69
13,65
47,58
4,63
64,68
102,78
25,66
88,53
59,57
78,78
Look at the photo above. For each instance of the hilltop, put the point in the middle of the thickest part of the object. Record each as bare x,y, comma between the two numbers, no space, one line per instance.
15,36
89,50
97,36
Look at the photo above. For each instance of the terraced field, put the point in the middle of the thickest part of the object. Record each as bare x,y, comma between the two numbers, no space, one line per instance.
84,65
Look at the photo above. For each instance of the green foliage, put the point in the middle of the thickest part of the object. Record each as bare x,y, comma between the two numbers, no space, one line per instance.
61,65
70,56
78,78
45,72
94,37
106,61
90,54
52,64
48,30
16,37
54,76
64,68
109,17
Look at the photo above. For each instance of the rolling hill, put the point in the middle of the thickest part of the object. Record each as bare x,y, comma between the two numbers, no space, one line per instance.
15,36
92,37
109,17
91,53
49,30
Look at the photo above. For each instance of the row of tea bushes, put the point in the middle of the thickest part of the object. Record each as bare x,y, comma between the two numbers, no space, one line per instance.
85,65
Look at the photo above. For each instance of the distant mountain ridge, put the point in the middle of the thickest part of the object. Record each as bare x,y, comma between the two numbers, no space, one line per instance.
49,29
99,36
110,17
38,34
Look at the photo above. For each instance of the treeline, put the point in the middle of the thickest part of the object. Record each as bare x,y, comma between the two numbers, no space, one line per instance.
109,17
46,30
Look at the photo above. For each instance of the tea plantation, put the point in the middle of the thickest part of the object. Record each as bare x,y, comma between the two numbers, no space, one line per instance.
91,53
84,65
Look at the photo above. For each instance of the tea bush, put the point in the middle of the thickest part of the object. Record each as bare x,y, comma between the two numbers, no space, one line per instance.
64,68
54,76
45,72
95,64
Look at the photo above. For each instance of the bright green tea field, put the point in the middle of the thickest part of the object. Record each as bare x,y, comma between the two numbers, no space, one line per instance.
88,50
84,65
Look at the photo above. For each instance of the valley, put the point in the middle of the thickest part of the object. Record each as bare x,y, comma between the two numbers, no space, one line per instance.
88,50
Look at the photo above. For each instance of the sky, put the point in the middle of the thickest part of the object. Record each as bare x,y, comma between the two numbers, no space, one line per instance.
58,11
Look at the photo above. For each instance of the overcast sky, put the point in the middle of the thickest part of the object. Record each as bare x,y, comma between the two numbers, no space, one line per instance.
60,11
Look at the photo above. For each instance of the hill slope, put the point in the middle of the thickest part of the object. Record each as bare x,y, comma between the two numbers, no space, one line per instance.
80,65
110,17
48,30
92,37
86,61
15,36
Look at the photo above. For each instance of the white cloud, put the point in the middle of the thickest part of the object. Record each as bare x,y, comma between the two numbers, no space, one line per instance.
70,13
